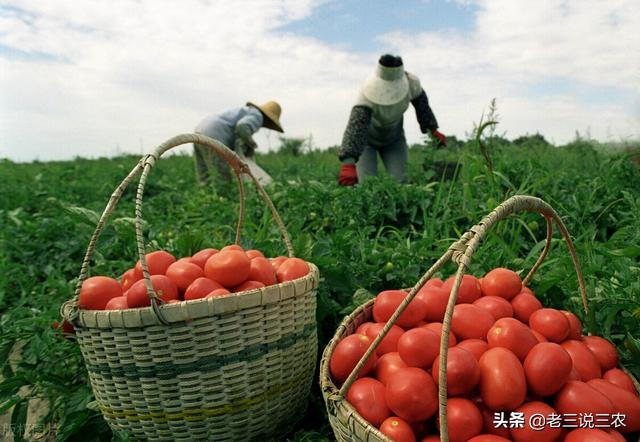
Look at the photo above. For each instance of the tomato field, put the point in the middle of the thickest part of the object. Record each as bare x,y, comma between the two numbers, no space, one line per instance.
376,236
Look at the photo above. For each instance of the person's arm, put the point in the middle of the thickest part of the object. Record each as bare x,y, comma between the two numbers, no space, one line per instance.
353,143
244,130
426,118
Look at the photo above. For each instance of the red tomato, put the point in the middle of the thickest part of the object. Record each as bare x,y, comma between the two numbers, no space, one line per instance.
174,301
579,397
475,346
574,375
583,359
470,321
200,288
512,334
588,435
603,350
390,341
434,282
262,270
157,262
616,435
535,434
388,364
367,396
202,256
551,323
547,368
463,372
523,305
346,356
437,327
253,253
275,262
292,268
419,347
469,289
411,394
128,278
228,267
248,285
165,289
488,438
497,306
97,291
489,421
435,298
575,326
397,430
431,438
387,303
538,336
218,292
117,303
503,385
619,378
464,419
501,282
235,247
362,328
66,327
183,274
624,402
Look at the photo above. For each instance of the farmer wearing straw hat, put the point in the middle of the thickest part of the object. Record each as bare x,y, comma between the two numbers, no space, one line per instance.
375,123
234,128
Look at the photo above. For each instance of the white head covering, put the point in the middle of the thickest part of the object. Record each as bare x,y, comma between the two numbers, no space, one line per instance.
386,85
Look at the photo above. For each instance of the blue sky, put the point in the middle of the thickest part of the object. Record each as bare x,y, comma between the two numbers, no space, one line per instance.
101,78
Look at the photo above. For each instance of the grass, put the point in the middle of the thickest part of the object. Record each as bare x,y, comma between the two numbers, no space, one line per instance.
378,235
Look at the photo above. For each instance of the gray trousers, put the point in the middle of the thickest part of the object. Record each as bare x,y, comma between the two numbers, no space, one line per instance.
391,145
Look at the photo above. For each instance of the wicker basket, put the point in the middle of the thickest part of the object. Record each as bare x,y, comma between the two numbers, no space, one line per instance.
347,424
237,367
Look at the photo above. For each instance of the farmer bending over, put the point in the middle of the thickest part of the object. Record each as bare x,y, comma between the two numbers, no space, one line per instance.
375,123
234,128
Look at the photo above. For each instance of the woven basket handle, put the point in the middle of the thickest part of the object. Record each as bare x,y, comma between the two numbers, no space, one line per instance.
69,309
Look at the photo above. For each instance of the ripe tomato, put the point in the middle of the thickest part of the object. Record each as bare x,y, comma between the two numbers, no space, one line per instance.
165,289
469,289
538,336
218,292
488,438
475,346
97,291
470,321
397,430
584,361
489,422
464,419
588,435
183,274
501,282
362,328
411,394
579,397
66,327
434,282
529,434
387,303
419,347
431,438
437,327
253,253
463,372
503,385
551,323
575,326
435,298
346,356
200,288
547,368
523,305
619,378
261,270
202,256
623,401
117,303
235,247
248,285
275,262
498,307
616,435
228,267
367,396
388,364
512,334
157,263
390,341
128,278
603,350
292,268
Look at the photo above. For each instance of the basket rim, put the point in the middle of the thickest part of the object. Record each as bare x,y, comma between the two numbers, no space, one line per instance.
200,308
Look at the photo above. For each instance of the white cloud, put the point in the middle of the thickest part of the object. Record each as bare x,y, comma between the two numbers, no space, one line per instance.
102,75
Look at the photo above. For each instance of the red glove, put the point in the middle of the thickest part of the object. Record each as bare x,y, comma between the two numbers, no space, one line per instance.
442,140
348,175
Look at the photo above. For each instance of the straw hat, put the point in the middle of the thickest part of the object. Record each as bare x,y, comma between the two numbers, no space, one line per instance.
388,84
271,111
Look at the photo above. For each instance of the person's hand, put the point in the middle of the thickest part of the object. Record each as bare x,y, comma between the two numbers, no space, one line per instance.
348,175
442,140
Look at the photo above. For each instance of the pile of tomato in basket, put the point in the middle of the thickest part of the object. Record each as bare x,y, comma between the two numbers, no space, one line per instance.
515,370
